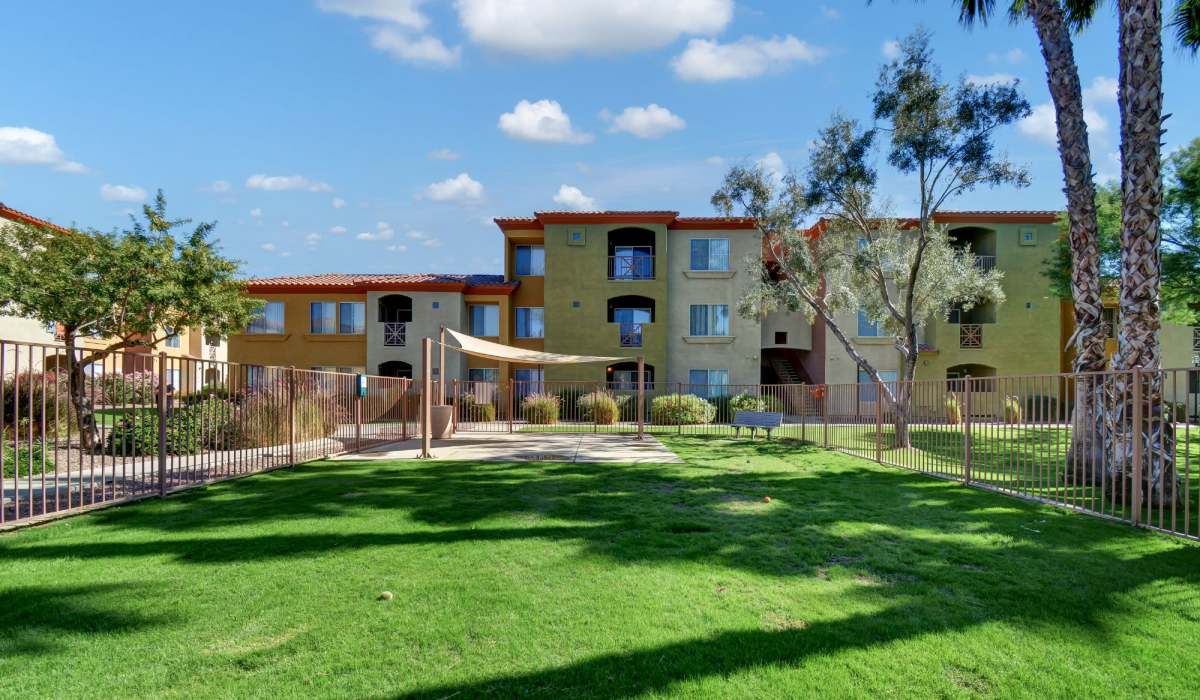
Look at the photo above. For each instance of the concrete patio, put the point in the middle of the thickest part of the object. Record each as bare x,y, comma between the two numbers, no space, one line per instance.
531,447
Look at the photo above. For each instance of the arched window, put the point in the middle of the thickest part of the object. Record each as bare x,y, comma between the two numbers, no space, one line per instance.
631,254
396,368
395,308
623,375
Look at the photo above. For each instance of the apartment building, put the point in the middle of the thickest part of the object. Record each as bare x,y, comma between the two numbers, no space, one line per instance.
190,343
373,323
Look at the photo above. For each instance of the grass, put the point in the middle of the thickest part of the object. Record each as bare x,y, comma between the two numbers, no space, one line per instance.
553,580
108,417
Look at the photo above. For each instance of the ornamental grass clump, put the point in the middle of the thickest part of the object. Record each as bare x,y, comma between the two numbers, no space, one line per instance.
541,409
1012,410
600,407
681,409
953,410
472,410
261,419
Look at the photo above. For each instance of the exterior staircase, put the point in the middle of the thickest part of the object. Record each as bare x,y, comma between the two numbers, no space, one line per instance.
786,371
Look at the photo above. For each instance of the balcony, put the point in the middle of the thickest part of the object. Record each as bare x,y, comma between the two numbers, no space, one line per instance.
395,334
985,262
970,335
631,267
631,335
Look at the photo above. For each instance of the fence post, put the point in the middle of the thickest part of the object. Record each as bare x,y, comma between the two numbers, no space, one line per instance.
162,424
426,396
1136,436
292,415
357,421
454,402
641,397
679,405
404,389
511,403
803,413
966,409
825,418
879,421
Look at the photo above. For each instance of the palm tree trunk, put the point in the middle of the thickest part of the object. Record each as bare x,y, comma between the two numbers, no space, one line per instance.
1140,101
1062,76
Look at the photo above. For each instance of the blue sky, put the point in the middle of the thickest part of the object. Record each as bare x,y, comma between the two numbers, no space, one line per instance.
383,135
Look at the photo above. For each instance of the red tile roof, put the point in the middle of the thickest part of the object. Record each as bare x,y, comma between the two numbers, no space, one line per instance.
670,218
361,283
21,217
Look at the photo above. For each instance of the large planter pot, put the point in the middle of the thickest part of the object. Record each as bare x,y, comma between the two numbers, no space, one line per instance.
440,418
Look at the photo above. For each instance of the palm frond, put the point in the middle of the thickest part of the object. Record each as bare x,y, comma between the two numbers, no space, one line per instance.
1185,20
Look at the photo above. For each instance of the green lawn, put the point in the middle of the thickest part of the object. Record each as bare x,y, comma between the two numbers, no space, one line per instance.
110,416
564,581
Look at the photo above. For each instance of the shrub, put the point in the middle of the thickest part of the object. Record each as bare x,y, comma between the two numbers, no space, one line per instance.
1012,410
206,392
51,403
474,411
600,407
681,409
1042,408
261,419
118,389
953,410
137,434
746,401
29,461
541,409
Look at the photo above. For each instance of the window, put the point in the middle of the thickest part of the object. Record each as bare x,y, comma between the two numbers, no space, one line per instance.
483,374
631,263
709,319
172,337
322,317
708,382
437,304
211,339
866,327
866,385
485,320
531,260
531,322
173,380
529,381
352,318
710,254
256,375
781,337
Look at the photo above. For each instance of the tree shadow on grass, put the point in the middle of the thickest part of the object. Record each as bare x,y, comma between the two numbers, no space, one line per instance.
30,616
932,556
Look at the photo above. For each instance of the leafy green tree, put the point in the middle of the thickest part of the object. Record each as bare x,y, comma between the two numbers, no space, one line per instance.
901,273
127,287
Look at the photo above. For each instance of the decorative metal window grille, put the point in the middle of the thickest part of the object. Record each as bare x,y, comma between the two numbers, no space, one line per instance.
395,334
970,335
631,335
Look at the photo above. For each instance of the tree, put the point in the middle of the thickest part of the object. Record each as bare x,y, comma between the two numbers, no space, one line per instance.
130,287
901,273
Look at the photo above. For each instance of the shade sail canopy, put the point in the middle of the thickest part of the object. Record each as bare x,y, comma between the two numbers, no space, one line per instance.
504,353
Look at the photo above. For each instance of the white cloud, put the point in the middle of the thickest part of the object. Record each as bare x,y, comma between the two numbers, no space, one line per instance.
574,198
432,243
1040,124
830,12
991,79
649,122
1103,90
772,164
554,28
443,154
280,183
1013,55
714,160
748,57
285,223
268,247
20,145
338,230
338,202
218,187
890,49
256,213
425,239
122,193
397,247
379,235
460,188
423,49
543,121
402,12
311,241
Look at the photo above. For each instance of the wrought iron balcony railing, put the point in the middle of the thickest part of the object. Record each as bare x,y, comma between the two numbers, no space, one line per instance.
631,335
631,267
970,335
395,334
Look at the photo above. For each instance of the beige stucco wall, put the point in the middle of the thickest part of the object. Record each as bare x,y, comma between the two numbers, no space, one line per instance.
427,322
798,329
739,352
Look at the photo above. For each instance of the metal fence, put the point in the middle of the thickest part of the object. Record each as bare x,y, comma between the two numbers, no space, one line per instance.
154,424
160,424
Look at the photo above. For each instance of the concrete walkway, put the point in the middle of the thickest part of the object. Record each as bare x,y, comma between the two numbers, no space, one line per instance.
531,447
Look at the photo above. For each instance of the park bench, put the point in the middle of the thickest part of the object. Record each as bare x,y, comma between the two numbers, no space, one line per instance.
755,420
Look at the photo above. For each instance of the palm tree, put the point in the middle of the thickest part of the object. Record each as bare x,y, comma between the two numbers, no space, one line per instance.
1140,100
